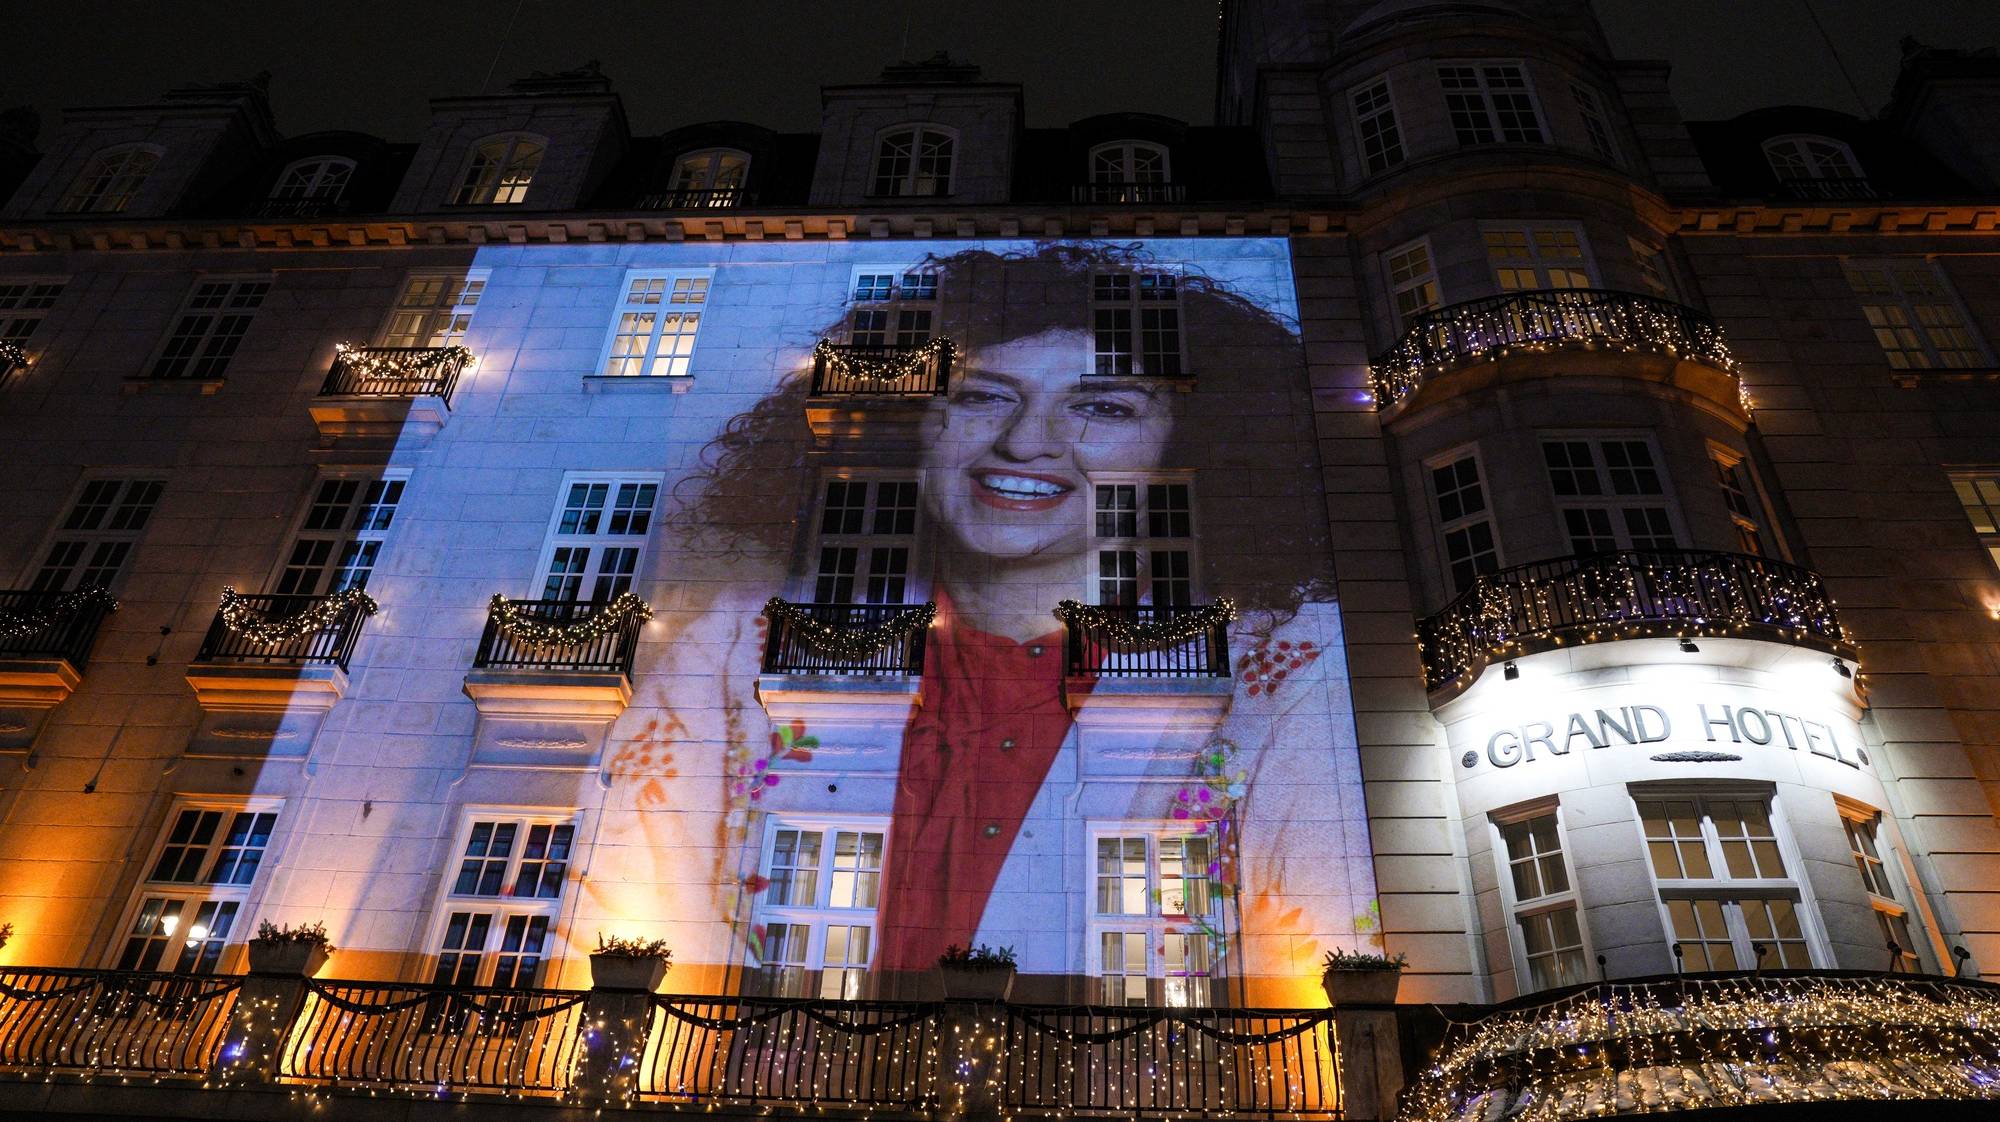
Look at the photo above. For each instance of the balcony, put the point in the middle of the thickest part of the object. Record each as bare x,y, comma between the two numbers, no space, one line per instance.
273,653
1138,665
844,664
557,658
1117,194
876,394
1554,333
711,198
388,392
1630,594
44,639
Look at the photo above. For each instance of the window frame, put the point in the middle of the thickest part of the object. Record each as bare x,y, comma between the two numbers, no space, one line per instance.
1758,523
74,200
1155,923
25,302
197,892
465,298
1654,268
1535,261
905,184
1607,497
94,538
1143,544
915,577
473,188
1771,146
598,542
1486,91
506,903
701,287
1856,815
1443,528
1135,305
899,309
711,166
1570,897
1414,282
1728,891
1980,355
1129,148
327,161
203,364
1596,122
1389,137
349,533
1961,480
819,917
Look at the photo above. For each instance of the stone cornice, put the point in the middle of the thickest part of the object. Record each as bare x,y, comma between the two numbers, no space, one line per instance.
1867,216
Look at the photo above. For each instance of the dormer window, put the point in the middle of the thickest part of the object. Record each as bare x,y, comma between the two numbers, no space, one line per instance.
914,162
309,186
1129,171
711,177
110,181
499,171
1815,165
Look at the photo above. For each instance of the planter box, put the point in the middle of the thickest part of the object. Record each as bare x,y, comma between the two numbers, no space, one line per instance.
1361,987
627,972
291,958
961,984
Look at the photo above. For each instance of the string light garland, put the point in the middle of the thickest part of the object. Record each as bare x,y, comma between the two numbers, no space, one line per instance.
1129,633
23,622
12,357
892,365
518,621
398,364
252,624
849,642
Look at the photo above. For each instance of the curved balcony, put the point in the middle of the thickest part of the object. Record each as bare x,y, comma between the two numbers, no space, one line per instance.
1555,321
1629,594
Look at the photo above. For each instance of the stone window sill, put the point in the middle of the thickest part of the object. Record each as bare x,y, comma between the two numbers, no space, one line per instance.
203,386
637,383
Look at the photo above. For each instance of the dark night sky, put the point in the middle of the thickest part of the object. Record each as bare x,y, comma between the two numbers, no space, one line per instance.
370,64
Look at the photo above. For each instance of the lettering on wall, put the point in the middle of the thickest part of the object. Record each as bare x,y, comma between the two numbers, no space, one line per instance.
1634,726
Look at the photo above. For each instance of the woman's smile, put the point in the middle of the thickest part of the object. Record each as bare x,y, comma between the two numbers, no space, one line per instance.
1014,490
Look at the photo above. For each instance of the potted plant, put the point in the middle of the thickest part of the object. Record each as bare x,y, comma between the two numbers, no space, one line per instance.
1360,978
979,973
629,964
284,949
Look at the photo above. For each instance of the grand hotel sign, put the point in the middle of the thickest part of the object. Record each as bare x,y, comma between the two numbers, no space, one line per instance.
1668,731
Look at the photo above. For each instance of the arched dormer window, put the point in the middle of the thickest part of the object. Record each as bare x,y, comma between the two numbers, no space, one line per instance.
914,161
1130,171
1814,164
710,177
320,179
499,170
110,181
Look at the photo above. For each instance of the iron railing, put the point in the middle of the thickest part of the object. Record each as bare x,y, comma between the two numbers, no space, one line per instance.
440,1039
1096,650
1621,595
609,652
707,198
789,649
1833,187
52,624
1127,193
715,1051
112,1022
332,643
302,208
838,369
1543,319
432,372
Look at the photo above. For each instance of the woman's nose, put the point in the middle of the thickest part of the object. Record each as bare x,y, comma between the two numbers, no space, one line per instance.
1032,434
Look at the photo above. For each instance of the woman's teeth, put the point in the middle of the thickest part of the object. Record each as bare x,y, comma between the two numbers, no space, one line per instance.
1019,487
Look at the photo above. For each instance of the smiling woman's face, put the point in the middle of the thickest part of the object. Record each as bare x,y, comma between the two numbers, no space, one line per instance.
1011,450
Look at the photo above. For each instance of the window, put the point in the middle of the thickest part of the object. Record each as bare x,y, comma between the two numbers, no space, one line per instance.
109,182
656,327
320,179
867,535
914,162
340,538
1526,258
210,327
815,929
1722,881
1491,102
1810,157
1136,322
1375,124
434,310
197,884
1863,827
1980,495
499,171
1144,534
1915,317
721,170
1128,163
1733,476
1464,521
1413,281
598,537
893,307
1596,126
1154,923
95,540
1609,495
22,306
1652,266
1543,898
503,900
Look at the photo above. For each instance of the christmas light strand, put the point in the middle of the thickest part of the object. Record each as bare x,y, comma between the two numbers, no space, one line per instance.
12,357
22,622
882,366
397,364
1121,628
239,618
848,642
520,621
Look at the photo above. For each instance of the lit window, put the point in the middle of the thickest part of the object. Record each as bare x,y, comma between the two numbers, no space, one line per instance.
1810,157
1464,521
914,162
1544,899
814,934
1863,827
197,883
95,540
1491,102
320,179
434,310
1155,929
867,535
1143,533
598,538
340,538
1596,125
710,177
22,306
1980,496
657,322
1136,324
1413,280
109,182
893,307
503,901
209,328
1723,883
1914,315
1732,475
499,171
1375,122
1602,490
1527,258
1127,163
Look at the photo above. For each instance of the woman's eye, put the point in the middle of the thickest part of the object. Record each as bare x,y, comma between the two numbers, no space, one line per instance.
1107,409
978,397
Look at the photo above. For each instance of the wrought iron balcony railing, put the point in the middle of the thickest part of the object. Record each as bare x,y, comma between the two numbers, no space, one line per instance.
112,1022
52,624
395,372
856,370
1147,641
1544,319
1843,187
303,208
865,639
1628,594
708,198
287,630
428,1038
1127,193
589,635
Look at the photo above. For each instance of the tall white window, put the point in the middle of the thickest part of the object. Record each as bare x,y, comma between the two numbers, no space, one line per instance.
197,884
1375,126
1464,521
1863,826
1413,281
1129,162
1543,896
340,538
499,170
1490,102
1739,494
1914,315
434,309
209,328
1155,932
1724,887
1609,495
1136,324
598,538
95,539
712,169
319,179
503,899
815,920
658,319
1143,533
1979,494
867,540
1596,125
914,162
893,307
1810,157
109,182
1537,257
22,306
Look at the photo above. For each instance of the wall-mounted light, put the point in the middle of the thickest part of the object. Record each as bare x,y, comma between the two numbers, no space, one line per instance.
1841,669
1688,647
1511,672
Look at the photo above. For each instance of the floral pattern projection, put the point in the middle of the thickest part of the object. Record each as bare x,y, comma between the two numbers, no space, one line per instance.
1123,425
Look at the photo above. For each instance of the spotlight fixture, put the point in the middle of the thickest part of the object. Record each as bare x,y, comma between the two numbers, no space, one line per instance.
1510,672
1688,647
1841,669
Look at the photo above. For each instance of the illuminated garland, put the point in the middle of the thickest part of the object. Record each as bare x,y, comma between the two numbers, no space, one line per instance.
847,642
252,624
35,621
1716,1042
1128,633
520,624
379,364
12,357
888,366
